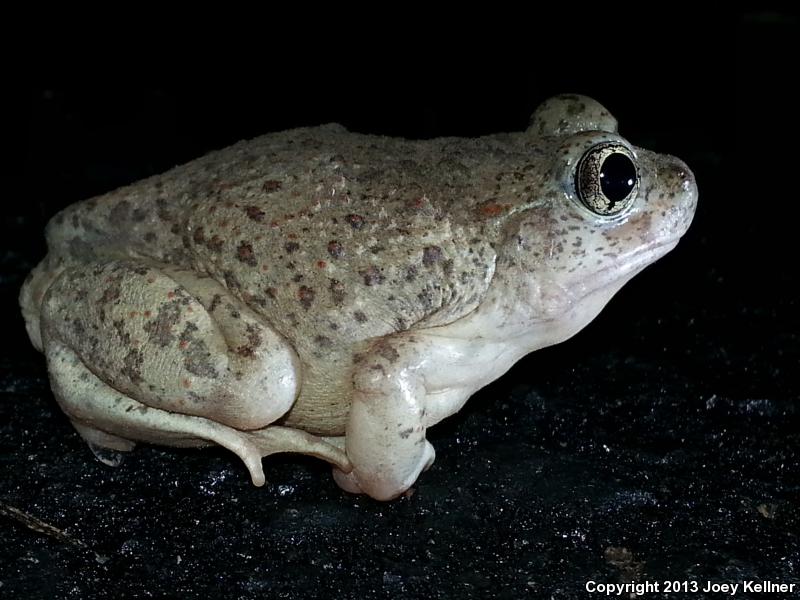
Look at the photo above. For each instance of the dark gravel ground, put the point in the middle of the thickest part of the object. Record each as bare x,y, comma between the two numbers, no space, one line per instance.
662,443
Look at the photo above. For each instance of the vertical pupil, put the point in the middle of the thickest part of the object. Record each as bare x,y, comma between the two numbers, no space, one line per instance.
617,177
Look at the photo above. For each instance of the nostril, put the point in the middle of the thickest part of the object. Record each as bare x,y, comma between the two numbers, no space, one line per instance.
678,176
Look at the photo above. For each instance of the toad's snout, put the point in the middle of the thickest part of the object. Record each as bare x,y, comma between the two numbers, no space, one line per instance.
669,198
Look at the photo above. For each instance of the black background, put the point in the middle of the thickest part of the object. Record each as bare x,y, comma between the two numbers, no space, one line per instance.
660,443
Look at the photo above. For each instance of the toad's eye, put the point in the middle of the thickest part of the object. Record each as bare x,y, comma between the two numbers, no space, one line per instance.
607,180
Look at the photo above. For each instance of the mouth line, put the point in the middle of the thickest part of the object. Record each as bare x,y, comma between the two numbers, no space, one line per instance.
629,267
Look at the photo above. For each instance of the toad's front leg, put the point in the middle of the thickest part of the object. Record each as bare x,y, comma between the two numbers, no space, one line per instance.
403,384
407,382
385,439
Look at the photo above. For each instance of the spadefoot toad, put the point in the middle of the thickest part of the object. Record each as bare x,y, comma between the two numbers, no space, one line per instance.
336,294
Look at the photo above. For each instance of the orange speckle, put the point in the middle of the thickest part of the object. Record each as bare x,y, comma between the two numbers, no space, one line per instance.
170,295
292,236
147,313
492,208
183,343
273,224
322,264
133,313
265,267
151,280
186,383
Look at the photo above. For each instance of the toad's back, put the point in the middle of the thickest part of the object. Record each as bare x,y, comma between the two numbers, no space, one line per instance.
331,236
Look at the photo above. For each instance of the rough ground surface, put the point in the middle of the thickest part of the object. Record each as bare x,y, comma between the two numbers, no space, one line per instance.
663,442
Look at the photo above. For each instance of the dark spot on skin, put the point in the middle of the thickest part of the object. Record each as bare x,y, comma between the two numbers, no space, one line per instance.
78,328
377,249
199,236
425,299
335,249
292,247
297,278
447,267
400,324
215,243
262,302
355,221
431,255
196,357
411,273
110,294
372,276
323,342
119,327
255,213
270,291
120,213
245,254
160,329
293,320
231,281
233,311
337,292
360,316
271,185
138,215
385,350
406,432
306,296
253,342
132,365
150,237
215,302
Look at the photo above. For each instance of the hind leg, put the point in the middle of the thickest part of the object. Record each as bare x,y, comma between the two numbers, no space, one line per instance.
96,409
144,352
